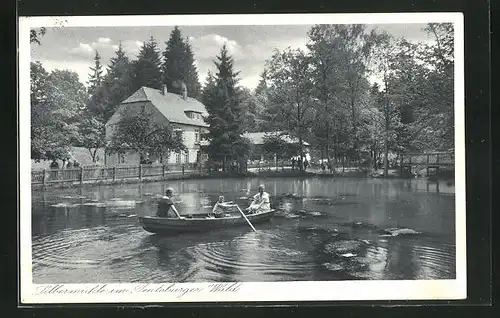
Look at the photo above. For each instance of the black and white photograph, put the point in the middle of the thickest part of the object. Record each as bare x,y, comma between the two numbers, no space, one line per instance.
242,158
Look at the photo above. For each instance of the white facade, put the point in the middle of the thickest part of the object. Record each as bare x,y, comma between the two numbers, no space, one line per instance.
184,115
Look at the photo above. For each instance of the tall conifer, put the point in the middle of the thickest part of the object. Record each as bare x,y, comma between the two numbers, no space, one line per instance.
179,65
96,74
146,69
225,114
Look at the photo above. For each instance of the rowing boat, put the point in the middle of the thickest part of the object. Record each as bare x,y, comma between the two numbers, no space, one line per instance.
199,222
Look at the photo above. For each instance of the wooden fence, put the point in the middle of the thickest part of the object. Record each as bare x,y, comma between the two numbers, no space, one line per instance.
103,173
429,161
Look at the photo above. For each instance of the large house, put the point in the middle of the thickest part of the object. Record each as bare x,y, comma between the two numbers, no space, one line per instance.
183,113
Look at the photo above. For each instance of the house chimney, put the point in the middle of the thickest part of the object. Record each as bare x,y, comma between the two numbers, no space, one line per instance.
164,90
184,91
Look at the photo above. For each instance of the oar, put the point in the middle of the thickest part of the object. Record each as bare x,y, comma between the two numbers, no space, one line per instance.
248,221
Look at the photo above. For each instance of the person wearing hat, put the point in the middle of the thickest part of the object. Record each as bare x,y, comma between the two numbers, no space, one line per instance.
166,206
261,202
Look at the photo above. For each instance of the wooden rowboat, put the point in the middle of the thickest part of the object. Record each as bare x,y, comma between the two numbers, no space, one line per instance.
199,222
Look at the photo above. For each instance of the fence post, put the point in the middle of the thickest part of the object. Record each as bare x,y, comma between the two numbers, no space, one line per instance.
81,175
163,171
401,165
44,177
140,172
114,173
437,166
409,165
427,165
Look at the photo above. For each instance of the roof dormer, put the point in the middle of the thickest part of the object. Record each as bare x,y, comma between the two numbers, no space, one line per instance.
193,114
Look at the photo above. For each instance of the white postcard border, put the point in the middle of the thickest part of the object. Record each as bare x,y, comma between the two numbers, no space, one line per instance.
248,291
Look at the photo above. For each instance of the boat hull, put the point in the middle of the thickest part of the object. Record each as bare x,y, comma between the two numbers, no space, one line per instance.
161,225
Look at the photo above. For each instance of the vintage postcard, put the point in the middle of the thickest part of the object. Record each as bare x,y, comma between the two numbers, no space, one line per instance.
290,157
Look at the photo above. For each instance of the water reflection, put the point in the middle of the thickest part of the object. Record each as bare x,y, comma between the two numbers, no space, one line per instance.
326,229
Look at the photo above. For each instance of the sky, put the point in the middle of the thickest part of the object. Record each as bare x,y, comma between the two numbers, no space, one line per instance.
74,48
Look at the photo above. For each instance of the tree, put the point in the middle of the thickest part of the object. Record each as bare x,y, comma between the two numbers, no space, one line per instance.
441,57
274,144
443,50
324,47
139,132
263,119
91,134
384,54
96,75
116,86
119,64
225,114
250,109
179,65
209,90
355,47
262,85
146,70
57,100
36,35
290,93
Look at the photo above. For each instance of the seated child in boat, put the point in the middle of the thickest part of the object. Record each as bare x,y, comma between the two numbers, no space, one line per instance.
219,209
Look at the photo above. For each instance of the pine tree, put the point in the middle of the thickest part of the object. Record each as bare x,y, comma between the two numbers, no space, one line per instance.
262,86
119,64
146,70
225,114
179,65
96,75
116,87
208,91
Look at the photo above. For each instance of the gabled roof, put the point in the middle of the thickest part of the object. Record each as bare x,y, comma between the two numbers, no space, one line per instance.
170,105
257,138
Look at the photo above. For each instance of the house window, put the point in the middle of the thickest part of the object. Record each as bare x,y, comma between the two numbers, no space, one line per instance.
178,158
186,157
121,158
197,136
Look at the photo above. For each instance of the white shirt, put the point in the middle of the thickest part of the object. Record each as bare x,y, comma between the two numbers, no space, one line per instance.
264,199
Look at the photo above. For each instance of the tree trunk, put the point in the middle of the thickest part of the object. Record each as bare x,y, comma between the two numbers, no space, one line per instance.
386,154
335,148
301,149
326,143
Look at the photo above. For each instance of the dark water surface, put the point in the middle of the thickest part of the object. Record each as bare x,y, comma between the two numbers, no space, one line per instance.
326,229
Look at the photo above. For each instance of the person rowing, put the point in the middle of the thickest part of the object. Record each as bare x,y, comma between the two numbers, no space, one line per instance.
220,207
166,207
261,202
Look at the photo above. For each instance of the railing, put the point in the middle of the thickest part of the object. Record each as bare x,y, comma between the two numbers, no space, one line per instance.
103,173
430,161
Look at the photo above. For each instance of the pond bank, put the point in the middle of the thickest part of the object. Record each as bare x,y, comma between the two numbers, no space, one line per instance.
214,175
186,176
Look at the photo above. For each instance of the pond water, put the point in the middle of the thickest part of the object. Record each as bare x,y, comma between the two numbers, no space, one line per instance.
325,229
